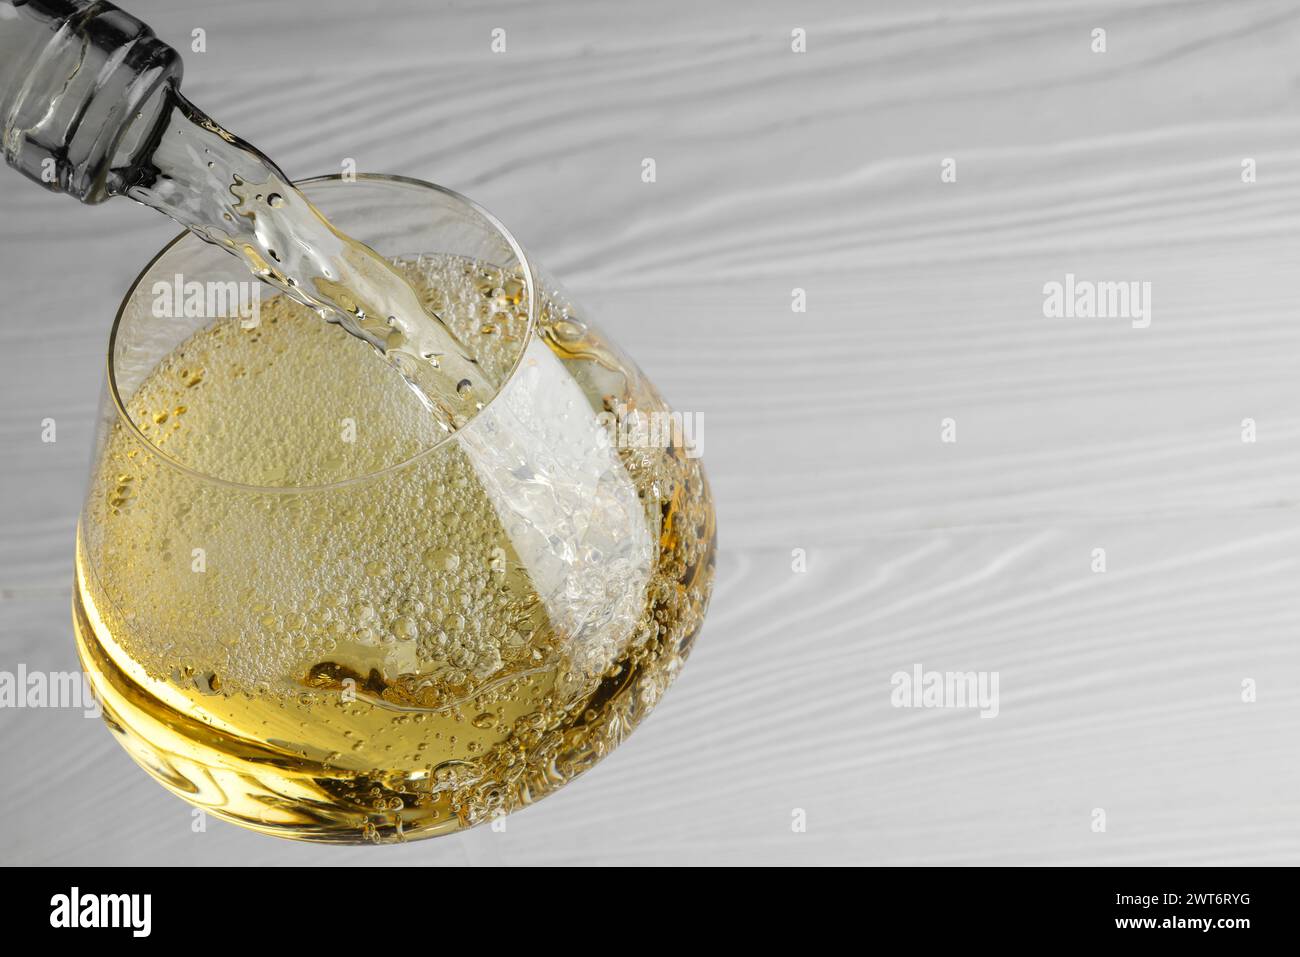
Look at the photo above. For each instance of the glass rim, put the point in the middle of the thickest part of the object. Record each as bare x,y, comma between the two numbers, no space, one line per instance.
124,417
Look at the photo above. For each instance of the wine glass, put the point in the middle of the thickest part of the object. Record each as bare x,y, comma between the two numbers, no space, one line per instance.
309,610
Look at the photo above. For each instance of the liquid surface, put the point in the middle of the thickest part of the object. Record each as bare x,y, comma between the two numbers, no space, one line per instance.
401,654
229,193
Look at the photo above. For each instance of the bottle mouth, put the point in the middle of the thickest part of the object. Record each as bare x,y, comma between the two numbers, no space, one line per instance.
449,439
108,70
136,101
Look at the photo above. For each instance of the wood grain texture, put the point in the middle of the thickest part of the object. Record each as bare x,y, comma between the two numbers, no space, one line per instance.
819,171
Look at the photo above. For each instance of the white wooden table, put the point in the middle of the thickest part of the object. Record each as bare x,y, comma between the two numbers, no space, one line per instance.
820,171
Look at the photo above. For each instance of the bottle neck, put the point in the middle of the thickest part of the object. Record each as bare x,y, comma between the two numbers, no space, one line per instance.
82,85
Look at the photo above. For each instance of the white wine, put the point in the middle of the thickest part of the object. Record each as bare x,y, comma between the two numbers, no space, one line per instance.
309,611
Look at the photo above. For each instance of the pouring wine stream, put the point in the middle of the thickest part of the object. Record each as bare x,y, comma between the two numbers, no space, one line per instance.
228,193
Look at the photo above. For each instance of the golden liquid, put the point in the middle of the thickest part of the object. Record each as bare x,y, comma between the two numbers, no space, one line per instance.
347,660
